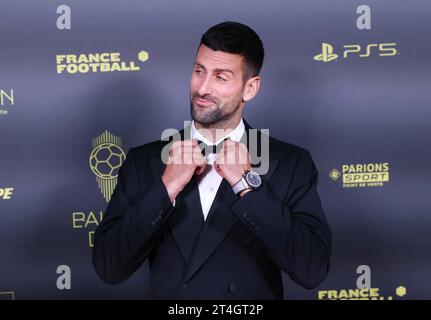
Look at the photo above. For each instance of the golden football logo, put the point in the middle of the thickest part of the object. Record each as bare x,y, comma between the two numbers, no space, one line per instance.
105,160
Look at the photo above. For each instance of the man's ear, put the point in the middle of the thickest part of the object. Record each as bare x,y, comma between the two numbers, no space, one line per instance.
251,88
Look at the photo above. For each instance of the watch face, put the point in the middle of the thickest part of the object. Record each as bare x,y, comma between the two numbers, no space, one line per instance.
253,179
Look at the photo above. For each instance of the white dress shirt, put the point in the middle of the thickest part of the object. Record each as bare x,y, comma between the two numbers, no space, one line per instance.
209,181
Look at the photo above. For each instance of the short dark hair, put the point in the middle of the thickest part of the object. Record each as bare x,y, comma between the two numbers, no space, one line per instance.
236,38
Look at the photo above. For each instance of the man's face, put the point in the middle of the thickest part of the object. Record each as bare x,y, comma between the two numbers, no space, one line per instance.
216,86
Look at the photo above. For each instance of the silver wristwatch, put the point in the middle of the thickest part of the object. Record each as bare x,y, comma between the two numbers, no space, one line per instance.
249,180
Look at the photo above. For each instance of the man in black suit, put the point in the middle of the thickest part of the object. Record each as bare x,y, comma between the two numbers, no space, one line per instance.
212,222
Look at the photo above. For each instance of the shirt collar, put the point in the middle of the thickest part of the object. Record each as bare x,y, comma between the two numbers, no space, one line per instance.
236,134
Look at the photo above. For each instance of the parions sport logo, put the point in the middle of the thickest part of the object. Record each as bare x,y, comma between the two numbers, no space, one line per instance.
362,174
97,62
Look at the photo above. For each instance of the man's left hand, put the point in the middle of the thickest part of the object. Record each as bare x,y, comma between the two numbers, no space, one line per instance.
232,160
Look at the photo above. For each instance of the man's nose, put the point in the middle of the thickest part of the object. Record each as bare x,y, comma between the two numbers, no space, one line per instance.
205,87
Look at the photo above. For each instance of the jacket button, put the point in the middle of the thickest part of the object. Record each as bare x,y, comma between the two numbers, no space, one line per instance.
185,286
252,223
245,215
153,223
232,287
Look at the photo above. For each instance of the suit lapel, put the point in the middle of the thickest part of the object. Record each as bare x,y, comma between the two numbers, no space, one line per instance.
216,227
187,219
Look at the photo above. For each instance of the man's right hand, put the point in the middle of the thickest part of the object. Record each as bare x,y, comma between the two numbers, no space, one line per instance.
185,160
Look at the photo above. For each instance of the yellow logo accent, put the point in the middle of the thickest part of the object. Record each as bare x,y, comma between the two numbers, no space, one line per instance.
81,220
401,291
361,51
327,54
105,160
384,49
143,56
96,62
358,294
6,193
362,174
334,174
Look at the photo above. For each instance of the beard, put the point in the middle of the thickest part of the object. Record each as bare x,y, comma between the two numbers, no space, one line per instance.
215,113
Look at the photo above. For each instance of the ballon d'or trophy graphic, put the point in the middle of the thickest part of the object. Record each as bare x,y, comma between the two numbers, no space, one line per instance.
105,161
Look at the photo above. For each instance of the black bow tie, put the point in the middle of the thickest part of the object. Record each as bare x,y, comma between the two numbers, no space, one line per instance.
207,149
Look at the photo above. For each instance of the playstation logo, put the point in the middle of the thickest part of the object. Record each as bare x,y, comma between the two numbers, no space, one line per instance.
327,54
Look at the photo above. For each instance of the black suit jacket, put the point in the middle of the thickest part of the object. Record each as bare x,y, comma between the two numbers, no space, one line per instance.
241,248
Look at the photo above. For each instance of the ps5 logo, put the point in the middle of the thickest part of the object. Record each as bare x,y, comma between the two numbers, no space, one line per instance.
362,51
327,53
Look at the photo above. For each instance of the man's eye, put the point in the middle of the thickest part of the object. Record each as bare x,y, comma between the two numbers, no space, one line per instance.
221,78
199,71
